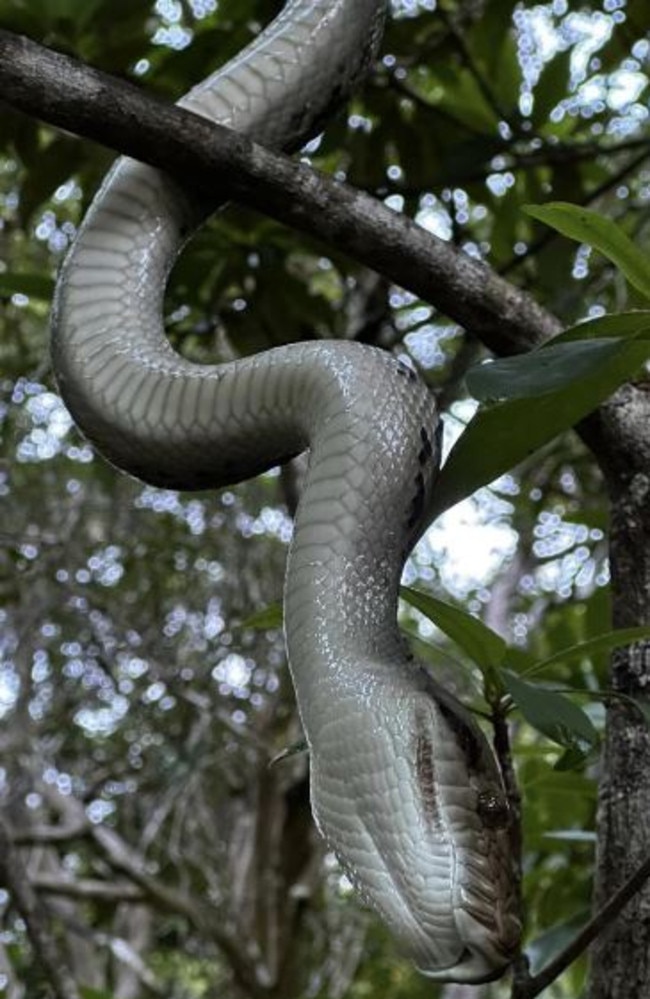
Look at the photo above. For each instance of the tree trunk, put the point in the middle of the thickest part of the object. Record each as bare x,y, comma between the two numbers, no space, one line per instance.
620,959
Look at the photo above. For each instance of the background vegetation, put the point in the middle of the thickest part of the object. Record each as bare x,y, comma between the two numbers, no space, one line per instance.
141,699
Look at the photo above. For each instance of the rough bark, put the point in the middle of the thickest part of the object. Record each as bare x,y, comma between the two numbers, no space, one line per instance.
620,959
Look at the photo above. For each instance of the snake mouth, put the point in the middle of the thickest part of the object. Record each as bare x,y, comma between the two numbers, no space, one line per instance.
485,956
471,968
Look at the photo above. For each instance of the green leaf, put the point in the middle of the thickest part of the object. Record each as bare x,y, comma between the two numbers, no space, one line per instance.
268,617
482,645
554,940
501,436
552,714
541,371
295,749
586,226
594,646
571,356
634,325
572,835
32,285
573,758
551,87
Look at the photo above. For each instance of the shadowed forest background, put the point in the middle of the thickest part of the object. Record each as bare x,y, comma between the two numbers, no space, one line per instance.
143,684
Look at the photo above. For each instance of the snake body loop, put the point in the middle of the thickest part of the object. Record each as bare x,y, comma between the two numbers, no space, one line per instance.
404,785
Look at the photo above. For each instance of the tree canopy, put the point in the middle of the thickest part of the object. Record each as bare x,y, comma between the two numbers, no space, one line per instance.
148,847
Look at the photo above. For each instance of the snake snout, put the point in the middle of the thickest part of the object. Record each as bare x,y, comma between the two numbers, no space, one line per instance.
486,955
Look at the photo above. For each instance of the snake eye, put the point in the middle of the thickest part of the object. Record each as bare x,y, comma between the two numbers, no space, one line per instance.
493,809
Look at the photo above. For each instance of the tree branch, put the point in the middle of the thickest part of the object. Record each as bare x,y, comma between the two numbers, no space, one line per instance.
200,914
86,888
65,93
39,835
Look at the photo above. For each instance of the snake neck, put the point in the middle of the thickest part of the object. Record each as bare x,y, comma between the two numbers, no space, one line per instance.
373,460
365,417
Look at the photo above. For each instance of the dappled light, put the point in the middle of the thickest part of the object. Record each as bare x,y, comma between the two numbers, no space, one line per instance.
154,781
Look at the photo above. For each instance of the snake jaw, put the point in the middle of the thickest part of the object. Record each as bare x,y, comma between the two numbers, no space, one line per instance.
424,833
487,924
485,957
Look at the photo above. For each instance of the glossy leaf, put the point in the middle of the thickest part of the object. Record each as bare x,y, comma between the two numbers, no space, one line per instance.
596,230
569,357
501,436
267,618
541,371
552,714
593,647
633,325
480,643
549,944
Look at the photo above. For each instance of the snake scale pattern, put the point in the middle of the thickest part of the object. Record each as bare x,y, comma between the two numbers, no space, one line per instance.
404,786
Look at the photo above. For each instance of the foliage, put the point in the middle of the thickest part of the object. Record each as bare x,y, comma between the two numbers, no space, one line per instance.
142,680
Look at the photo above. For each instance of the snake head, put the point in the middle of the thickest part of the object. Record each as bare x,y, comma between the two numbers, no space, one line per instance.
409,796
478,820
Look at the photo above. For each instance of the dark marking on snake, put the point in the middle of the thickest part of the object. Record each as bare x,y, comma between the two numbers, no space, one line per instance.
467,738
438,433
406,371
427,452
417,503
306,125
426,776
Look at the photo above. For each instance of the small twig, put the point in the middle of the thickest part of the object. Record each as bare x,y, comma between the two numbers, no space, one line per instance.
587,935
39,835
87,888
503,752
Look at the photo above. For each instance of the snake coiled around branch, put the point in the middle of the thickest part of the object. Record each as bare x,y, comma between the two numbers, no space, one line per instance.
404,786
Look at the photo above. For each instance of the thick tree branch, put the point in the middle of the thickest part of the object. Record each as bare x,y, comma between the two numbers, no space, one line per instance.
205,156
67,94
